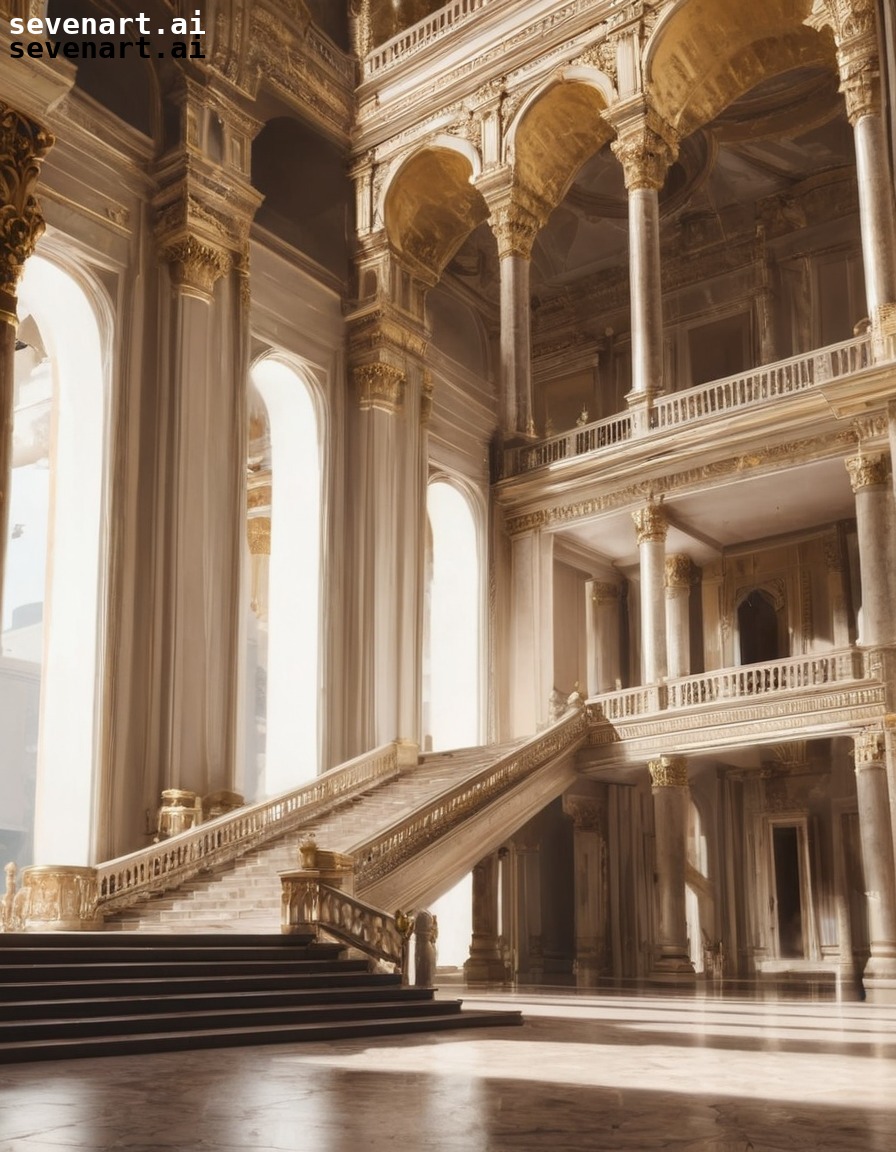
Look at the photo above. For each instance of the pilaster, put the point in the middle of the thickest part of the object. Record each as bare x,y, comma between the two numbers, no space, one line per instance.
589,817
669,785
877,858
602,636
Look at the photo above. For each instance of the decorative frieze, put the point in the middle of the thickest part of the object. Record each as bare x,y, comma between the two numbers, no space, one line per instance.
23,145
668,772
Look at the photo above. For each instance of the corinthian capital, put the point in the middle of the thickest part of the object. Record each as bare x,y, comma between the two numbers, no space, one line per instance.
646,149
23,145
515,226
854,25
195,265
866,471
650,523
669,772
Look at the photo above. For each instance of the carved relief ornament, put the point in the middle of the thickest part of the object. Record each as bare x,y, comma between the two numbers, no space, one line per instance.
669,772
258,531
380,386
604,592
679,571
23,145
869,748
854,25
515,227
195,265
587,812
866,471
650,523
645,154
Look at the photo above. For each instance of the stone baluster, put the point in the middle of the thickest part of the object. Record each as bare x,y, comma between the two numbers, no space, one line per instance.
669,785
651,525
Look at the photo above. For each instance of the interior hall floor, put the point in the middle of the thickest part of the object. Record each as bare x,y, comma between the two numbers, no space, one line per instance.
689,1074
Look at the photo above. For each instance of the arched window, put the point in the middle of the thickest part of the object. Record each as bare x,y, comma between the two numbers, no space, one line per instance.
284,693
52,598
453,681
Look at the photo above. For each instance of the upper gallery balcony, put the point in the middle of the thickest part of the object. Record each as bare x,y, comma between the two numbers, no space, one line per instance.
842,378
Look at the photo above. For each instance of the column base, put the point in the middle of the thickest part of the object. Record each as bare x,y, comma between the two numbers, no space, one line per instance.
677,969
485,966
587,972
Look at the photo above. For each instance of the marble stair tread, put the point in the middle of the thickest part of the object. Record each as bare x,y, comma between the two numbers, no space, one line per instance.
237,1037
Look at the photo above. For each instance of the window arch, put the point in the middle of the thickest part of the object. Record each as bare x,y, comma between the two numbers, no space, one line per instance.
53,602
453,656
287,622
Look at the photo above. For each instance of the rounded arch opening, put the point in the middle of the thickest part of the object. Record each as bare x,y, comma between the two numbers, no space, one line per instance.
53,615
286,594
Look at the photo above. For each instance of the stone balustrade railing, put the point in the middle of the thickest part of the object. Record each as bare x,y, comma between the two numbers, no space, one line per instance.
729,684
122,882
424,32
762,385
377,856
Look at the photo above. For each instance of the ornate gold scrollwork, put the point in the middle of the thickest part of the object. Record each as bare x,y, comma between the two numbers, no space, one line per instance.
23,145
669,772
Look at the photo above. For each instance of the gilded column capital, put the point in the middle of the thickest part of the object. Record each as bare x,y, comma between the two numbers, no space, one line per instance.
515,227
866,471
196,266
854,25
869,748
23,145
668,772
679,571
651,523
258,531
604,592
587,812
381,386
646,150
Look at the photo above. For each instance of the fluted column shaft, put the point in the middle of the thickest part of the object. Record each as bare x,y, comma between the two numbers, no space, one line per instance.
651,526
602,636
678,572
669,780
872,792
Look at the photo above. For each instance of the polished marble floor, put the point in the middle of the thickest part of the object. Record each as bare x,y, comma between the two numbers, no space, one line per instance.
584,1072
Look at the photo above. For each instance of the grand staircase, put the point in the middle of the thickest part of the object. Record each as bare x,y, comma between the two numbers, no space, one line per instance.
102,994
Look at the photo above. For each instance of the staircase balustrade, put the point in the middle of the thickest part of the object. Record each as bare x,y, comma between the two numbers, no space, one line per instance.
123,881
379,855
412,39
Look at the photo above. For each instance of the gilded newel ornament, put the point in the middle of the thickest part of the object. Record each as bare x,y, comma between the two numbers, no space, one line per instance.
651,523
669,772
23,145
866,471
195,265
679,571
380,386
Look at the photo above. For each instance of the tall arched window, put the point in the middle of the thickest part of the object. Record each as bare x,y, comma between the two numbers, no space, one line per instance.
52,597
292,611
453,683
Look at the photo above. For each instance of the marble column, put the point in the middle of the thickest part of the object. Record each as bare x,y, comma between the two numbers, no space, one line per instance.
515,226
669,781
650,522
679,574
530,951
645,147
869,477
589,817
23,145
602,636
854,25
872,791
532,629
485,964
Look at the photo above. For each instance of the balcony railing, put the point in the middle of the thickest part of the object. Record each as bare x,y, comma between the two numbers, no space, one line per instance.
731,684
419,35
763,385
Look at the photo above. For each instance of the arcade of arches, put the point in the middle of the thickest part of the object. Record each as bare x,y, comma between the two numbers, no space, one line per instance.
435,365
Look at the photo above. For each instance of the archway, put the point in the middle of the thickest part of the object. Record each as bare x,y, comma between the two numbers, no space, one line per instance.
53,594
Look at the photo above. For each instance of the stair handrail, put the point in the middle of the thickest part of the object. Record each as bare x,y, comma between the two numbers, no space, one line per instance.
128,879
316,904
377,856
